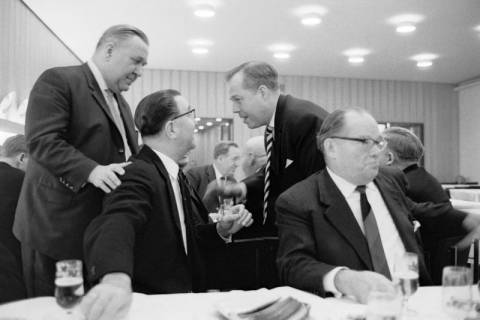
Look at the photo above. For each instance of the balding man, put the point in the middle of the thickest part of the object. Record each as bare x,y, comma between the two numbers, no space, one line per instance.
79,133
254,156
342,228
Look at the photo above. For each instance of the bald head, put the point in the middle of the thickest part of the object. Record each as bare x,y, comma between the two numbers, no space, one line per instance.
254,156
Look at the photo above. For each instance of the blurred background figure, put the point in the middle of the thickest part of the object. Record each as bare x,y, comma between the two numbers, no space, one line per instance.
254,156
13,161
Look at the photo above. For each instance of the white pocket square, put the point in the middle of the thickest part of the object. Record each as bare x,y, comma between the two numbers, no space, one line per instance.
289,162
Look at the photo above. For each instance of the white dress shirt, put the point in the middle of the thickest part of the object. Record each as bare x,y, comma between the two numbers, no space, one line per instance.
391,241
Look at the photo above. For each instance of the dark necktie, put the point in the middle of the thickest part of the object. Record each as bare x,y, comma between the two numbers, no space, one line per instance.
266,188
187,205
377,254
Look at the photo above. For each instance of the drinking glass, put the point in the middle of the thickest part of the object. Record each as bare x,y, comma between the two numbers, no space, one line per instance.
405,275
384,306
226,201
68,285
456,291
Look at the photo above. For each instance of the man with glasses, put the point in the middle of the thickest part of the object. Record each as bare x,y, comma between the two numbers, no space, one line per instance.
341,229
150,236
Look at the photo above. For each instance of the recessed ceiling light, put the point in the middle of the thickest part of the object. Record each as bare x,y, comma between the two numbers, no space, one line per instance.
204,11
356,52
356,60
406,28
201,127
310,9
200,50
218,119
209,124
197,119
424,57
311,20
405,18
281,55
424,64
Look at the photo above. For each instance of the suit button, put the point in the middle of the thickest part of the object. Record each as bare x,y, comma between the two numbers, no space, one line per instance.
121,150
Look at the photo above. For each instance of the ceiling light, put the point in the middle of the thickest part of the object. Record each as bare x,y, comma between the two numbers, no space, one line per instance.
204,11
201,127
406,28
356,60
195,131
208,124
424,64
197,119
281,55
218,119
356,52
311,20
226,124
424,57
477,28
405,18
310,9
200,50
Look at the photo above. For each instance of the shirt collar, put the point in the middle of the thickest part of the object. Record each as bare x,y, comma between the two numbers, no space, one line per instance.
218,174
272,120
346,188
169,163
97,75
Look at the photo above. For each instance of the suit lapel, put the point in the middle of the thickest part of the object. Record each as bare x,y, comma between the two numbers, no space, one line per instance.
341,217
126,115
277,162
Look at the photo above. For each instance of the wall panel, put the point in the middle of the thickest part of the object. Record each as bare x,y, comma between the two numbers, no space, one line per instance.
435,105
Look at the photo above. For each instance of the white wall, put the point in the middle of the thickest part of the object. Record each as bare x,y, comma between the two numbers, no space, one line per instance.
469,131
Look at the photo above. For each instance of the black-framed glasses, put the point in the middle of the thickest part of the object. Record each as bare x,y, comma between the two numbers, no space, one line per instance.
381,143
187,113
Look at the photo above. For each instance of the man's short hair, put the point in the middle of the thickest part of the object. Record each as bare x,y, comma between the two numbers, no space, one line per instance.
222,148
14,146
255,74
404,144
155,110
333,124
121,32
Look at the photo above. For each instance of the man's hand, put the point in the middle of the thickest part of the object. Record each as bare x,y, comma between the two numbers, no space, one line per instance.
359,284
234,220
472,224
105,177
108,300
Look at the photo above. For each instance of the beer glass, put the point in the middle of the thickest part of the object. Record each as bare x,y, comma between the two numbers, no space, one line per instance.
456,291
405,275
225,202
68,284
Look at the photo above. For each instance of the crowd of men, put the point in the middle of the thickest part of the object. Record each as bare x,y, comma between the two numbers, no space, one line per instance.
330,186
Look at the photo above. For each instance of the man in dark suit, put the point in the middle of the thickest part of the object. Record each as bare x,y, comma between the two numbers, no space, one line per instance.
341,229
291,124
150,234
79,133
226,157
13,160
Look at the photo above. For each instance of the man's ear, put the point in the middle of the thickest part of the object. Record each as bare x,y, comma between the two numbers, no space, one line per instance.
109,50
329,148
170,129
390,158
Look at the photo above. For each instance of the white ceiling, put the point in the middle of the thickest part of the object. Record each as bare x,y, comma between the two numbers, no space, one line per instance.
244,29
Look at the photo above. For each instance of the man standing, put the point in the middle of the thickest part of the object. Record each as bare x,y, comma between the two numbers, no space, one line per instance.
79,133
291,126
150,234
13,160
341,229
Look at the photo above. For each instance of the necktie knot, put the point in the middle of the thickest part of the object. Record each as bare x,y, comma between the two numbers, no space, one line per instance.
361,189
268,131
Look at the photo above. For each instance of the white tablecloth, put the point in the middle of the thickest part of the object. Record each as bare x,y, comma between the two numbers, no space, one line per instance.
201,306
465,194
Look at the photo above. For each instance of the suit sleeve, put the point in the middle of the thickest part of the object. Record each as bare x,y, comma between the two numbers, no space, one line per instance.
296,258
47,130
110,238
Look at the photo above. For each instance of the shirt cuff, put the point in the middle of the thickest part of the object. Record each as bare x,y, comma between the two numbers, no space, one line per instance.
329,281
226,239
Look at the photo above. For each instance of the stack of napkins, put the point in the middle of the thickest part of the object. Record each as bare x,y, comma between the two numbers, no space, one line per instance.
261,304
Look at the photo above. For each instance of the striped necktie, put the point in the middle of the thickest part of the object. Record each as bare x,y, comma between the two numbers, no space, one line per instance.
266,189
377,254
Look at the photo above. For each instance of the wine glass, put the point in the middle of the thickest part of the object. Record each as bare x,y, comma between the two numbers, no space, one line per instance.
456,291
405,275
68,286
383,305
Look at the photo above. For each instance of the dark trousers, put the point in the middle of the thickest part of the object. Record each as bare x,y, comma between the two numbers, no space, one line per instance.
38,272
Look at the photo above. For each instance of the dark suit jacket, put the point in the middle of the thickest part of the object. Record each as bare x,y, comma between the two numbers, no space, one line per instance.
318,231
200,177
69,131
138,233
423,187
11,278
296,125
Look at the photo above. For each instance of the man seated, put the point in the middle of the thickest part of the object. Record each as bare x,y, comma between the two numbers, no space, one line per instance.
254,156
150,235
342,228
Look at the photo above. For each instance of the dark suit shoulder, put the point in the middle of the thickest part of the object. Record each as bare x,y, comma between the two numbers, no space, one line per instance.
300,193
298,110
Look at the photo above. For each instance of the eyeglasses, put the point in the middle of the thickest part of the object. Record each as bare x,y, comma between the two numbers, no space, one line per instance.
381,143
190,113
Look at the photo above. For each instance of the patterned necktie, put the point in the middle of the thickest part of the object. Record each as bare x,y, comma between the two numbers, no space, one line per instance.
266,188
377,254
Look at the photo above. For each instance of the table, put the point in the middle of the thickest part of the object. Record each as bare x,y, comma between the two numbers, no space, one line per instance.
465,194
201,306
